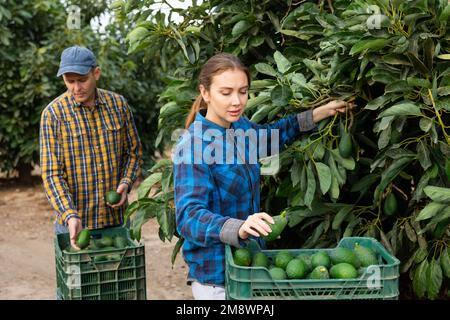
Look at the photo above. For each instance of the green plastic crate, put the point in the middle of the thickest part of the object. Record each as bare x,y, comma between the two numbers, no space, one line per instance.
255,283
79,277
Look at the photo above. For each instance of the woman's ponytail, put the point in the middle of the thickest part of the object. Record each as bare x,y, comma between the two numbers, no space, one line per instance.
198,104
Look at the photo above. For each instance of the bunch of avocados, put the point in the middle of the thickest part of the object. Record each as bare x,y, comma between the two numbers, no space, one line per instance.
338,263
105,243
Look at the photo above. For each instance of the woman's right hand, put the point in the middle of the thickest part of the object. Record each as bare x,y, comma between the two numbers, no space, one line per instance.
256,225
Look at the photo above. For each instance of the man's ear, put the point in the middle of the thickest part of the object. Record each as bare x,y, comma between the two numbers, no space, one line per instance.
97,73
205,93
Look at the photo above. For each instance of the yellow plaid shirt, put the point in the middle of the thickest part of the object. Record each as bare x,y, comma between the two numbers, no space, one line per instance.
85,152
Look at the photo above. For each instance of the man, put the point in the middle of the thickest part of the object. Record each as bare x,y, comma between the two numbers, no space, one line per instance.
88,146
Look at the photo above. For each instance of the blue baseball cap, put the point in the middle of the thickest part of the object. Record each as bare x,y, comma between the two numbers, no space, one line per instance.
77,60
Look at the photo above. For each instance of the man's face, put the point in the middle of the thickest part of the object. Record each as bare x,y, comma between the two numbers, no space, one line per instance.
82,87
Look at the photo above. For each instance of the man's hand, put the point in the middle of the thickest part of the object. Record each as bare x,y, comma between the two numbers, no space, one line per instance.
74,225
256,225
123,191
330,109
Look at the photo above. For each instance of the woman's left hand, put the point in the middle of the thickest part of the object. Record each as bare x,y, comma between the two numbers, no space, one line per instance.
330,109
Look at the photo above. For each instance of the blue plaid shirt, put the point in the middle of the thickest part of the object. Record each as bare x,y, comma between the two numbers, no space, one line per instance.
214,183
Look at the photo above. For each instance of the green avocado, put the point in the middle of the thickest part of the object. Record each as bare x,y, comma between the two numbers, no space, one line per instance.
277,227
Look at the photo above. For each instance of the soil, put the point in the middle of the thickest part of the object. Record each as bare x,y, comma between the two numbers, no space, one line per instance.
27,260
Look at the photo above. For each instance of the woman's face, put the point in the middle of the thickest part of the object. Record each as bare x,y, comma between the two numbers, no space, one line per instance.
227,97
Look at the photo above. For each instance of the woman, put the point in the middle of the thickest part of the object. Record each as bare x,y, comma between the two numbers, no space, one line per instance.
216,188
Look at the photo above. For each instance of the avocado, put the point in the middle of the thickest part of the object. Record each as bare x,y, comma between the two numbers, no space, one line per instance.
113,197
390,205
342,254
113,257
343,271
282,259
120,242
319,272
105,241
277,273
365,255
277,227
260,260
242,257
306,260
345,145
83,238
320,258
100,258
296,269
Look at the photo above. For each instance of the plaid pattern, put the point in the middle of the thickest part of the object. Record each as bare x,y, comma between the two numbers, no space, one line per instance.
85,152
207,195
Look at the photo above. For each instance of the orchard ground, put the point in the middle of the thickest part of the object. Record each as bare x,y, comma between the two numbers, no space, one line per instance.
27,261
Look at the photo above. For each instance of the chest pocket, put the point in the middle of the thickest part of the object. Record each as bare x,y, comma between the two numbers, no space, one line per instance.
75,139
112,134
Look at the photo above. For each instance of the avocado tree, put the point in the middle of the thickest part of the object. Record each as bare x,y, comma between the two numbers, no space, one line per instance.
381,170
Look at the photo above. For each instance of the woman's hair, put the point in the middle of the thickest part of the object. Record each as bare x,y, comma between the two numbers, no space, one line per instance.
215,65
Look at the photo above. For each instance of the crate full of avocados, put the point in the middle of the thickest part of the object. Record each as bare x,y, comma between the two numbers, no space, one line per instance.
110,266
358,268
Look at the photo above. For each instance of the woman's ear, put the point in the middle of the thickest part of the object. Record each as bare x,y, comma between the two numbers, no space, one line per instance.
204,93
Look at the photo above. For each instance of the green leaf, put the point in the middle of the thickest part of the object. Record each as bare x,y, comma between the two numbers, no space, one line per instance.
420,255
445,14
265,69
444,56
177,249
296,171
425,124
365,182
340,217
261,113
438,194
423,154
434,279
347,163
148,183
418,64
240,27
166,179
373,44
283,64
161,164
418,82
311,189
296,33
378,102
420,279
401,109
430,210
390,174
324,174
257,101
281,95
445,262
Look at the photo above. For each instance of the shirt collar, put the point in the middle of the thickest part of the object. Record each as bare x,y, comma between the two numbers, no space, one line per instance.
207,123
